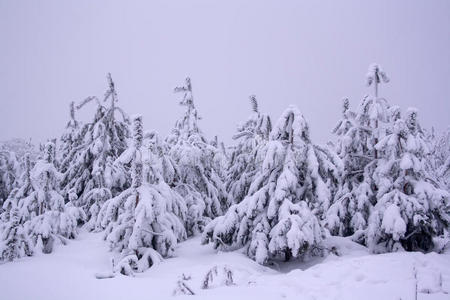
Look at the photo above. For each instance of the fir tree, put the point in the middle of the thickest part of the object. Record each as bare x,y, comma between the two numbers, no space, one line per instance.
278,218
199,183
70,140
411,211
23,190
47,218
358,133
15,242
9,171
375,76
439,158
143,222
242,167
162,163
92,176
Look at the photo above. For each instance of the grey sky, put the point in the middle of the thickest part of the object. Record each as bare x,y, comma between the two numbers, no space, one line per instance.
308,53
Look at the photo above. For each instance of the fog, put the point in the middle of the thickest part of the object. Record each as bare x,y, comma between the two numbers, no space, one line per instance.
307,53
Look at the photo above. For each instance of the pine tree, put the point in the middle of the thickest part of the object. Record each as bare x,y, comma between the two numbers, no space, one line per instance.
358,133
199,183
92,176
376,75
45,215
9,171
280,217
15,242
351,205
19,147
15,162
242,167
439,158
444,151
24,189
162,162
411,210
187,125
70,140
144,222
219,162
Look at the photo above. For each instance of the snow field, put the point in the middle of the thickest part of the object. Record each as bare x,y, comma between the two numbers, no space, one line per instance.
69,273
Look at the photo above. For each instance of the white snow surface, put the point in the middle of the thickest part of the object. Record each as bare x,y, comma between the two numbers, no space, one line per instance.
69,273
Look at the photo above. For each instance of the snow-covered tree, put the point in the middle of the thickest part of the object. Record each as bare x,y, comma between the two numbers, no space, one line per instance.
142,224
351,205
439,158
280,217
376,75
91,176
199,182
344,126
14,241
46,217
165,164
411,210
187,125
9,171
23,190
19,147
12,164
443,152
242,167
358,133
70,139
16,159
160,170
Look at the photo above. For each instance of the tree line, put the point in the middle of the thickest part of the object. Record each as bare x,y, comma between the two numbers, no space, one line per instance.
275,193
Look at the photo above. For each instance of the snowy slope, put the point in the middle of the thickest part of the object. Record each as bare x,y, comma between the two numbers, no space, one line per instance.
69,273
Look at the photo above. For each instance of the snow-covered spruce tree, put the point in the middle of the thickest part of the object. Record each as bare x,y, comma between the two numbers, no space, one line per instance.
160,169
69,141
376,111
47,218
19,147
411,210
358,133
242,167
15,155
14,241
346,124
220,160
443,152
92,176
142,224
23,190
158,152
199,183
351,204
375,75
439,158
9,171
279,216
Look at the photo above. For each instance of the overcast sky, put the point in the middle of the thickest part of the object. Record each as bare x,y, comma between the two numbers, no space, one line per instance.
307,53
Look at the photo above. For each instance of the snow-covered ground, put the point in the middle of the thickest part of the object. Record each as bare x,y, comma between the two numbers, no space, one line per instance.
69,273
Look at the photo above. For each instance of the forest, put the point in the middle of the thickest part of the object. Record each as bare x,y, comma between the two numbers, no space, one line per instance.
273,194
